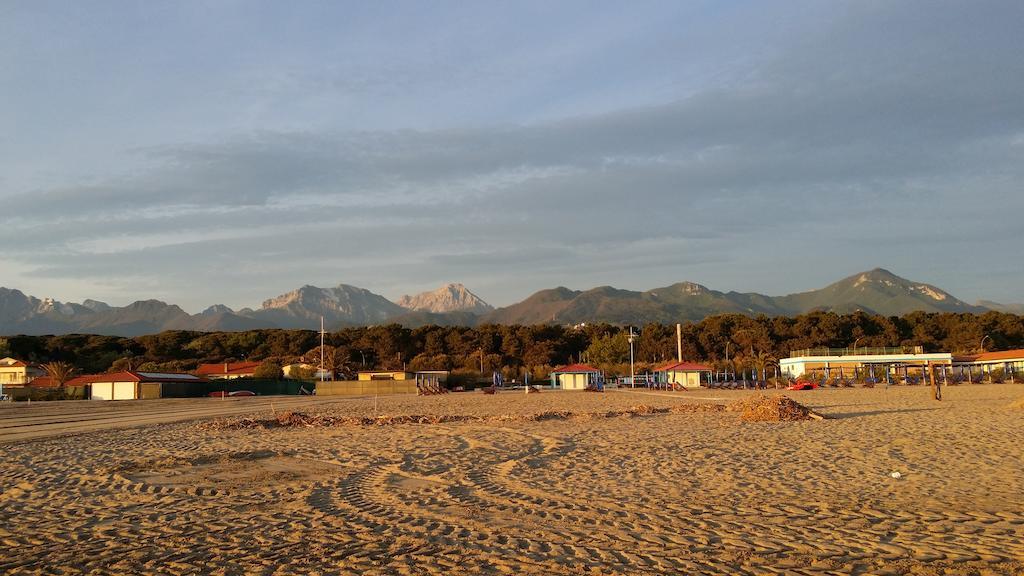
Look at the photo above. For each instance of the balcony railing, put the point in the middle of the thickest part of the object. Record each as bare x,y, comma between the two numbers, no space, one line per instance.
859,351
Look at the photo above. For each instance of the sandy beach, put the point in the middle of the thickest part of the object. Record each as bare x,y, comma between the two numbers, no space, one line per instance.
153,487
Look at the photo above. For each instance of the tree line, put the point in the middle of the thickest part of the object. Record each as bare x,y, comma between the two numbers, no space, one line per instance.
515,350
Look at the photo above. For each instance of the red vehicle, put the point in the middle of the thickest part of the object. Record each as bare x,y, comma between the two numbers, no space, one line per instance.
220,393
802,385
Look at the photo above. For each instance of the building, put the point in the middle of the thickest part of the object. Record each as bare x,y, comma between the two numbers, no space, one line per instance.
43,382
140,385
1010,362
440,376
293,371
14,372
227,370
385,375
687,374
851,362
576,377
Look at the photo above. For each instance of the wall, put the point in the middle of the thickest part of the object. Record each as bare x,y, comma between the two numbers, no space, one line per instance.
150,391
573,381
365,387
687,379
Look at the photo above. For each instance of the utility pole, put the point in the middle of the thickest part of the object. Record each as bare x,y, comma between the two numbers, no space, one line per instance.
632,372
679,342
322,334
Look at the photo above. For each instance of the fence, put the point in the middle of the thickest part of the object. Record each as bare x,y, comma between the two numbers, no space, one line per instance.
862,351
29,393
260,387
365,387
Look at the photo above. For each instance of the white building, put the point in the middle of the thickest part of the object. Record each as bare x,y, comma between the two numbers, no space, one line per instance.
848,361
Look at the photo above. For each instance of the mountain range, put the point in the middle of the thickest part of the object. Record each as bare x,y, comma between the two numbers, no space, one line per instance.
876,291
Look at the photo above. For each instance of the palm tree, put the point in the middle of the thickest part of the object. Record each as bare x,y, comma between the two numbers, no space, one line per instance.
762,360
59,372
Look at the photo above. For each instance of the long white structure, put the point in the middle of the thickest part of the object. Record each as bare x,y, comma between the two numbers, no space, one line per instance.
848,361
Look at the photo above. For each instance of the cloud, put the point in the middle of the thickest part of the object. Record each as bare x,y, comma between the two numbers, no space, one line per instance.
887,124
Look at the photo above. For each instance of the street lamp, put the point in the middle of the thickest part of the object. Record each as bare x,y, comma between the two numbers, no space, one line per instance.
859,338
632,374
982,345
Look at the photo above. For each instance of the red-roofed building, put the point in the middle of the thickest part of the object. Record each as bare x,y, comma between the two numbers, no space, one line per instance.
140,385
1011,362
687,374
43,382
227,370
576,377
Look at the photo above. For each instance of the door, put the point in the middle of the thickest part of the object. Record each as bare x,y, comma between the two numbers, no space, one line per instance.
124,390
102,391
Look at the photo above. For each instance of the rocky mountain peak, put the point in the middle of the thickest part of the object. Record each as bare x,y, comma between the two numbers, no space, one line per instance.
448,298
95,305
216,309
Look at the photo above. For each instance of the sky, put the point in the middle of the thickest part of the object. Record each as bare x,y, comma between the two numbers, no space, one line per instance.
224,151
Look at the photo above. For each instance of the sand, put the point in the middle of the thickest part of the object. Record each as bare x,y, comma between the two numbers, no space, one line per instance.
666,492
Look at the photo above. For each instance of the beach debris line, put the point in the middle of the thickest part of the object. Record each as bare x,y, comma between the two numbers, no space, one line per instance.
765,408
293,419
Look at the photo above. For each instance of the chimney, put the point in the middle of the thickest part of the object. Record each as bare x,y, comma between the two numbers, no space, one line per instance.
679,342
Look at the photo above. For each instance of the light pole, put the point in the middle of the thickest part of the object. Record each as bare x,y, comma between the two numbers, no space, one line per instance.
727,357
859,338
982,345
632,374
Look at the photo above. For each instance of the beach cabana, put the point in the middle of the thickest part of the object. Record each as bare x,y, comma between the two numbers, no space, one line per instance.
575,377
686,374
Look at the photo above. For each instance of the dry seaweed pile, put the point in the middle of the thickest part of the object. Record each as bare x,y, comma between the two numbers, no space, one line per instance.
762,408
302,420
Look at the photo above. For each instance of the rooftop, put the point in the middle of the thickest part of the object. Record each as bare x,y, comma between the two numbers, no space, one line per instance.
575,368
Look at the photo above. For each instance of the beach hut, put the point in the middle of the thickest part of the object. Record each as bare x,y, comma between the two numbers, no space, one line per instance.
575,377
686,374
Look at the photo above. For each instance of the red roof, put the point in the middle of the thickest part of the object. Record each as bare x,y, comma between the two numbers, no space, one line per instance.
575,369
133,377
228,368
14,362
683,367
992,356
43,382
